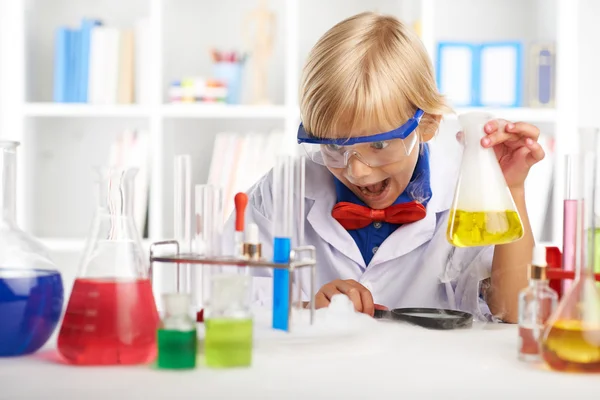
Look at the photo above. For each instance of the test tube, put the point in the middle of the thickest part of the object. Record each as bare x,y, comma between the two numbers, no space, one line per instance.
300,169
183,217
283,217
571,203
209,225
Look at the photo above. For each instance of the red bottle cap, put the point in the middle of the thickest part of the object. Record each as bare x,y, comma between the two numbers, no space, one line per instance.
241,201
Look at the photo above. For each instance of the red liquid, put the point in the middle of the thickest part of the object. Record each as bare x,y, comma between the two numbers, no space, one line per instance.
109,321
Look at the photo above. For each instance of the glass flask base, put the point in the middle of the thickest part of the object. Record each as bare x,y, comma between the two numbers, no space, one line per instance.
30,308
569,348
109,322
176,349
228,342
484,228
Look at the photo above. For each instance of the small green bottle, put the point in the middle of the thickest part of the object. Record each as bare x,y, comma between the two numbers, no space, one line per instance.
177,341
228,322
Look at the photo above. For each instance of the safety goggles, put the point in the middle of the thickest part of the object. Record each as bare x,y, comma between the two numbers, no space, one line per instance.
375,150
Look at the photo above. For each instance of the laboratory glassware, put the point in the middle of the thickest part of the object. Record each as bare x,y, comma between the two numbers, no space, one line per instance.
111,317
177,341
283,222
228,322
570,204
31,288
182,218
483,212
571,339
537,302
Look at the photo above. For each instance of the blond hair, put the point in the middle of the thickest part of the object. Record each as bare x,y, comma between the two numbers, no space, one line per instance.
367,72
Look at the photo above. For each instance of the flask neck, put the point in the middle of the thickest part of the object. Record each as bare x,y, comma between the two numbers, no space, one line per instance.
116,191
8,182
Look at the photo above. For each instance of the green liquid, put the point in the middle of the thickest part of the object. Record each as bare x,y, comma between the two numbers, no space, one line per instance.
228,342
176,349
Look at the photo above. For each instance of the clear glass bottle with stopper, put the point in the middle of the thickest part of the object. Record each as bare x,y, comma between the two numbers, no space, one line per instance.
177,341
537,302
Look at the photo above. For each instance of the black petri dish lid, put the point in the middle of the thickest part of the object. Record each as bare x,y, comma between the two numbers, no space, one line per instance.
433,318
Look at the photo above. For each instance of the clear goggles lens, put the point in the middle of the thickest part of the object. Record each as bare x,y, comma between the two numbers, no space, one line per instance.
373,154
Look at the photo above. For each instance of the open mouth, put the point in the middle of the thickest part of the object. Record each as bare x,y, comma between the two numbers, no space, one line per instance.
375,189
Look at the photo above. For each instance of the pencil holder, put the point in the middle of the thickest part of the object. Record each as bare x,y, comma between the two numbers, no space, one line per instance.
231,74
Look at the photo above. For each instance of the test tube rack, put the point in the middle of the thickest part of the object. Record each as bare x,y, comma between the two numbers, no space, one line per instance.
297,260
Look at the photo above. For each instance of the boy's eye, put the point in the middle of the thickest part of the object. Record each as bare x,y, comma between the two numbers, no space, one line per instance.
333,147
379,145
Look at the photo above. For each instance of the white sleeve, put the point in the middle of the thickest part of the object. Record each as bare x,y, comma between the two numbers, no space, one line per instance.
474,265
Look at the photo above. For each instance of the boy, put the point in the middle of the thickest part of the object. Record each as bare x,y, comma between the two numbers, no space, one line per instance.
377,202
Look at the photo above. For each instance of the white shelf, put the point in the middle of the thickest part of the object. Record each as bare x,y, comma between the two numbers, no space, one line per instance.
222,111
512,114
68,110
85,110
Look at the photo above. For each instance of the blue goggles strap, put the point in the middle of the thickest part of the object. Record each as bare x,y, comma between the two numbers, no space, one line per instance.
399,133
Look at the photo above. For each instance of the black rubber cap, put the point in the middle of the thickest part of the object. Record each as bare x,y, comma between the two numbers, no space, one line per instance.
431,318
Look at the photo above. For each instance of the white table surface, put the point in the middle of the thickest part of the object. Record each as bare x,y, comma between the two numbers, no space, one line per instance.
383,361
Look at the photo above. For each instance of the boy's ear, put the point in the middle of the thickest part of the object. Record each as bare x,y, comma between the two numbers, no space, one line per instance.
428,126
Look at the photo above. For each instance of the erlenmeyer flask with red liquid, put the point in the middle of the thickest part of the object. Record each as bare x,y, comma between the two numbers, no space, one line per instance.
111,317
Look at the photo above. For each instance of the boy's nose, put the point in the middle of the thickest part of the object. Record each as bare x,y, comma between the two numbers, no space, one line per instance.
358,169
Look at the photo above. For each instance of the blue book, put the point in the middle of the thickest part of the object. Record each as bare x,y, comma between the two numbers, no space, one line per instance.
60,65
70,89
83,75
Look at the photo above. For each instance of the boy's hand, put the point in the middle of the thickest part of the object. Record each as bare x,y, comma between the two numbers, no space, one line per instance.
516,148
357,293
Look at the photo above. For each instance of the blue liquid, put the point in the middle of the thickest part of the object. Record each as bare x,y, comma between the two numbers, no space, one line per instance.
31,304
281,284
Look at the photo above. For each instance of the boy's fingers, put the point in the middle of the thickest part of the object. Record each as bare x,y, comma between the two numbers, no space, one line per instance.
536,153
367,302
329,291
523,129
321,301
353,293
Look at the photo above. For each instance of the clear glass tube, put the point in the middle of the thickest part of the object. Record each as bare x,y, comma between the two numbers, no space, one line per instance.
283,218
209,228
570,205
300,184
183,216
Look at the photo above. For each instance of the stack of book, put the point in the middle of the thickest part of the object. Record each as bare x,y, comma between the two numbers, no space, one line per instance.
100,64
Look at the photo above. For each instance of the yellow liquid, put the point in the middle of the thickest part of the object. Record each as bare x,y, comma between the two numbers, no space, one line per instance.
569,348
483,228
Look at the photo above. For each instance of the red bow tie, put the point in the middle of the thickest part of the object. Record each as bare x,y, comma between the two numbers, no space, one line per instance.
353,216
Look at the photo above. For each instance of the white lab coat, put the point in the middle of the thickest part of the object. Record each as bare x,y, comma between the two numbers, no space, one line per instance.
414,267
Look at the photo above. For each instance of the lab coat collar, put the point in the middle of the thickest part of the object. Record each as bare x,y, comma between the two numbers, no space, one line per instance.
444,167
321,189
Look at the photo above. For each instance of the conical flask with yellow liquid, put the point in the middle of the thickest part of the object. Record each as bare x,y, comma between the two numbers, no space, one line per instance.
483,212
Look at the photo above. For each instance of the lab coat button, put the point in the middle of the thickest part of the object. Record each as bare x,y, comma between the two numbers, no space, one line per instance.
377,225
375,249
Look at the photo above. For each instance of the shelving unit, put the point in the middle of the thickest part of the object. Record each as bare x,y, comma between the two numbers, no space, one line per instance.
182,31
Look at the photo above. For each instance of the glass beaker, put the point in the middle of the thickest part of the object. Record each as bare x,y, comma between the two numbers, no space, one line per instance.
571,339
31,288
483,212
111,317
